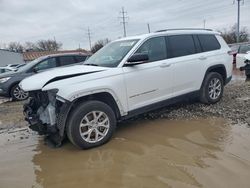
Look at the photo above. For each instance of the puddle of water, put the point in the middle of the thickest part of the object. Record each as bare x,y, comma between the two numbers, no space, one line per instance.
159,153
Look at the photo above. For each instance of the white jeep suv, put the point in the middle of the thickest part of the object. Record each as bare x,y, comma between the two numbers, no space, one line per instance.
127,77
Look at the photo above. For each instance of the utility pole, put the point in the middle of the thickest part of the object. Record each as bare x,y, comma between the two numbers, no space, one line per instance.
204,23
124,21
148,28
238,20
89,36
55,43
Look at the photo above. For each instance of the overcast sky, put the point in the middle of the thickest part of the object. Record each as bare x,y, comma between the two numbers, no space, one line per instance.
68,20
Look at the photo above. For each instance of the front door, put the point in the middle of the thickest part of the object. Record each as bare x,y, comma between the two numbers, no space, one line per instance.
149,82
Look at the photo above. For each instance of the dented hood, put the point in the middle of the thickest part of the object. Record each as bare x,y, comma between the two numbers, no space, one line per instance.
38,81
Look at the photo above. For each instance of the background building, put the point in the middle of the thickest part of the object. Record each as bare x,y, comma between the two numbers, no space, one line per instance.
8,57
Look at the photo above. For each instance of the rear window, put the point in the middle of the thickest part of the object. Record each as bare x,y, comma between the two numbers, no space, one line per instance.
180,45
209,43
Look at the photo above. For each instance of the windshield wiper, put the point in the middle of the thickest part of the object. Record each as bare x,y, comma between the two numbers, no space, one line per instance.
91,64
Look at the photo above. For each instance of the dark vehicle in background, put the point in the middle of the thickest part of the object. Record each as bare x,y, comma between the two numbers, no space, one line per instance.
9,81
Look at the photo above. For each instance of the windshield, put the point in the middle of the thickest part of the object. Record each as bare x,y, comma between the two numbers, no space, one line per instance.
112,54
29,65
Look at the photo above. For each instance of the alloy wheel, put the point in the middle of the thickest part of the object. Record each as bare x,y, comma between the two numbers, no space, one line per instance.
214,88
19,94
94,126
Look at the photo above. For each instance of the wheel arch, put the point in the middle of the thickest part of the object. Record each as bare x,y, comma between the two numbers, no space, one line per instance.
68,107
11,86
221,69
105,97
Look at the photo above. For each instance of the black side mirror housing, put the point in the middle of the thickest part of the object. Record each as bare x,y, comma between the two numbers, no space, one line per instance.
35,70
137,59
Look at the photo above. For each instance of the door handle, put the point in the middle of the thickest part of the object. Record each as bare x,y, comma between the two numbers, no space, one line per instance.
164,65
202,58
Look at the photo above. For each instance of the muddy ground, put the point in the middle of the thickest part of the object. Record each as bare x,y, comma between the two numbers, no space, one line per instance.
185,145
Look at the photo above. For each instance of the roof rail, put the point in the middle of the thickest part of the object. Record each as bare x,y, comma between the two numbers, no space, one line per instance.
163,30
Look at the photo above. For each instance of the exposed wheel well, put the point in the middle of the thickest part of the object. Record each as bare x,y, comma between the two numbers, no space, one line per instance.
104,97
219,69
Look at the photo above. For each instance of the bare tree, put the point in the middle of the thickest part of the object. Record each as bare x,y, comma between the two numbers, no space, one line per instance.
48,45
15,47
230,35
99,44
30,46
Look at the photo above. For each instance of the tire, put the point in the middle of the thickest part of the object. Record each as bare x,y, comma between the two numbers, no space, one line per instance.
86,132
210,91
17,94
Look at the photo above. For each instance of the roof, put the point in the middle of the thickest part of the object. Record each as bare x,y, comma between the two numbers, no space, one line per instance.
29,56
171,32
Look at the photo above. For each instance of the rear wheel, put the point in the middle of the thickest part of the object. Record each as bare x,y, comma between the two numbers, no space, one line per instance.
212,88
91,124
18,94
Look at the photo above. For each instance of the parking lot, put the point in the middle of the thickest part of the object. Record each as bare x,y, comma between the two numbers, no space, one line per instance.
185,145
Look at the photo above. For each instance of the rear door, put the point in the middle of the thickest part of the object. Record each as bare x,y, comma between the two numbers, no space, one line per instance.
187,64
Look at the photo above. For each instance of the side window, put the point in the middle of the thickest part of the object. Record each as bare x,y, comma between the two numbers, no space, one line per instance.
180,45
66,60
46,64
1,70
80,58
209,42
155,48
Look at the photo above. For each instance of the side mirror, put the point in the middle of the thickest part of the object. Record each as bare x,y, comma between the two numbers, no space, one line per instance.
35,70
137,59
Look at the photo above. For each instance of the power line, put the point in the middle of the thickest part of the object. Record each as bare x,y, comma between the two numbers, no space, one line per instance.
124,21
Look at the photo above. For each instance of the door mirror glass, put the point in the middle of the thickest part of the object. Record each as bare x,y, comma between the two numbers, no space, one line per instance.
137,58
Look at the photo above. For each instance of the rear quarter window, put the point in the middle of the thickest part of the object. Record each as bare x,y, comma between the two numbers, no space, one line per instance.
209,43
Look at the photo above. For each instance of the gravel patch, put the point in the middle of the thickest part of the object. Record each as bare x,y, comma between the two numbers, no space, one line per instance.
234,106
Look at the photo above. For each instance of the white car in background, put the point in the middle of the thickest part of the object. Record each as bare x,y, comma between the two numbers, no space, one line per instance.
240,57
5,69
12,65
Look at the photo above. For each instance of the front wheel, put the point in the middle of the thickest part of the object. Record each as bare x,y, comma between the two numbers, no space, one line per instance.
212,88
91,124
17,94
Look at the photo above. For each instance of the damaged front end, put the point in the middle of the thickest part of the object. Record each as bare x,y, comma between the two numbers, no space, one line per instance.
47,115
